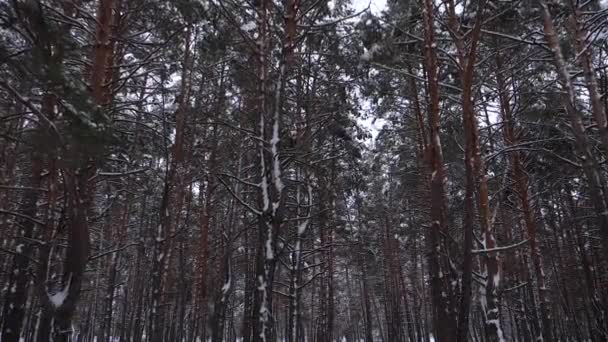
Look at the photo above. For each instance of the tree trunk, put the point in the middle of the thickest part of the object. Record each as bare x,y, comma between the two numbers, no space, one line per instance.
444,322
596,181
171,206
522,188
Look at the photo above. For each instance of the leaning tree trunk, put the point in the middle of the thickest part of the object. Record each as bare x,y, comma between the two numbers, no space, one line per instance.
591,169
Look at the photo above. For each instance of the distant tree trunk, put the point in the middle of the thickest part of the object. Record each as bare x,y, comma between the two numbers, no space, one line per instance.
392,294
218,319
225,273
521,186
421,166
248,314
325,228
294,326
8,158
588,268
207,210
585,59
329,274
137,327
367,314
103,92
118,236
171,205
13,310
203,254
133,322
411,321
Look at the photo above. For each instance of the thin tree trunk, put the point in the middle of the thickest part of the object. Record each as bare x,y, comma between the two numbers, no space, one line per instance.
13,310
171,204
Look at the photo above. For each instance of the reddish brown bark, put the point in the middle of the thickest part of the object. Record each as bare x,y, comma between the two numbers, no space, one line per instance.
102,52
586,61
203,252
522,188
444,322
475,179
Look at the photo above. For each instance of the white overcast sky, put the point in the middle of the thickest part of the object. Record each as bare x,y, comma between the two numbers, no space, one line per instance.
375,5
